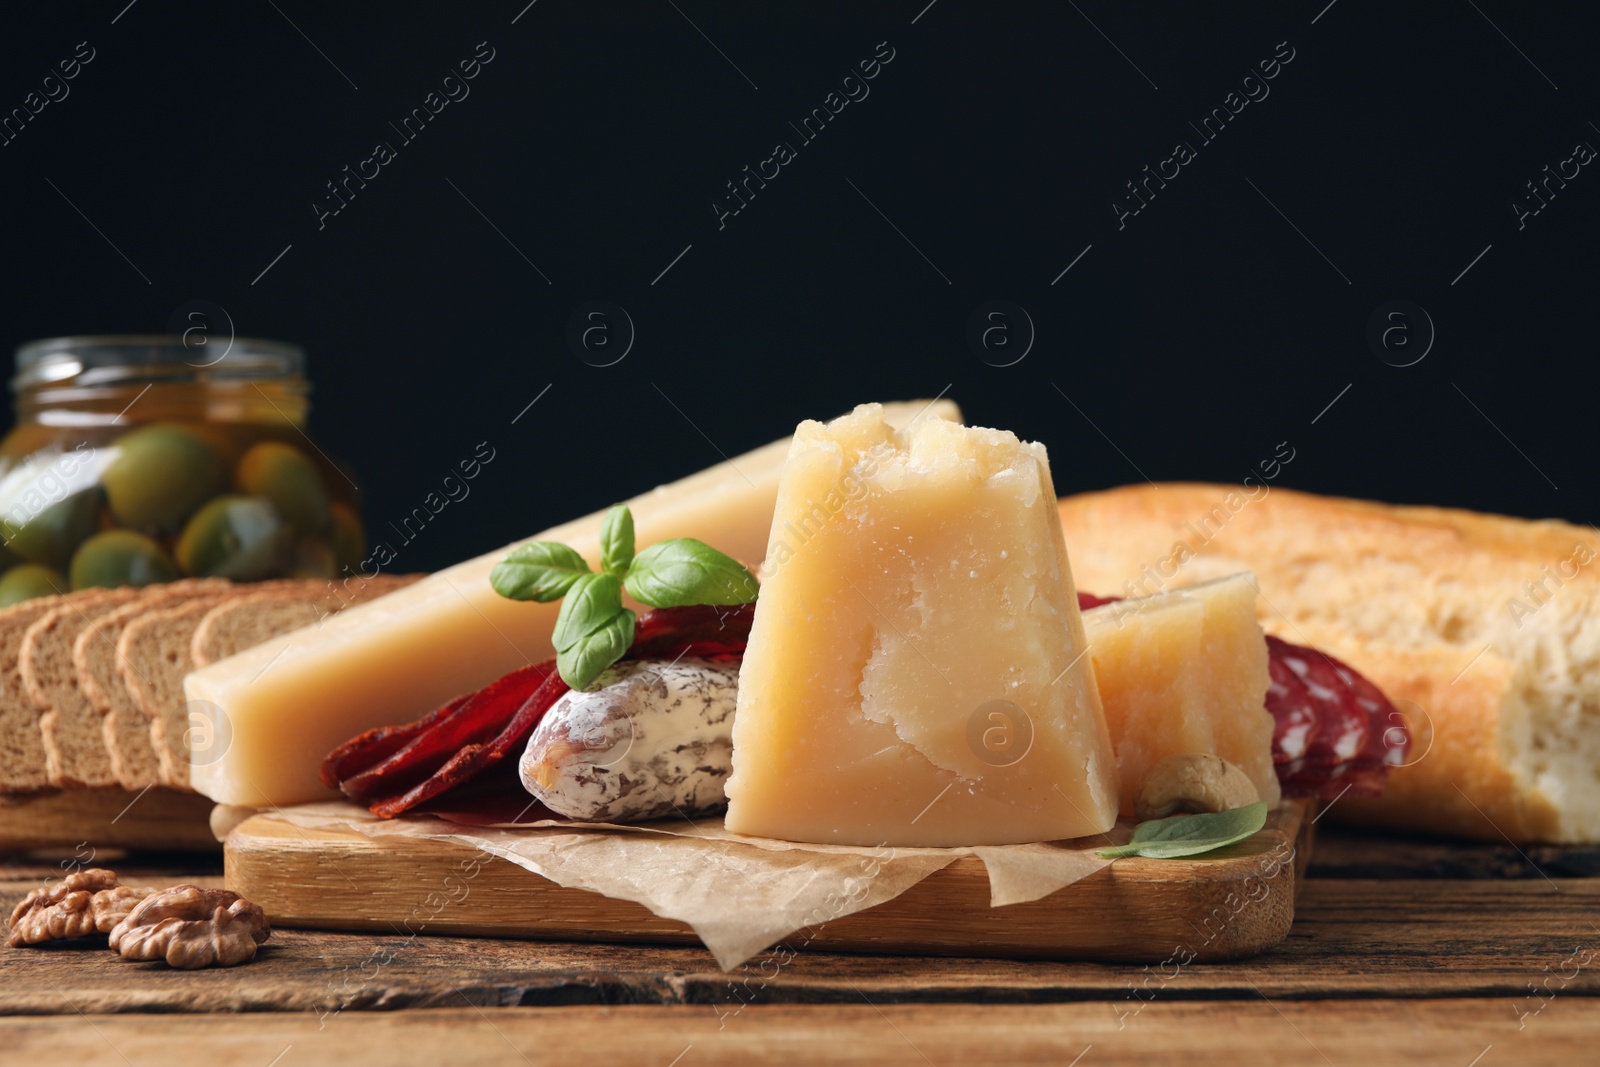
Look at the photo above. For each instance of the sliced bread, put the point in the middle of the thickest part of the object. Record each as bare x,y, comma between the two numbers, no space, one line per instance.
22,757
75,754
152,658
232,627
130,660
236,625
123,728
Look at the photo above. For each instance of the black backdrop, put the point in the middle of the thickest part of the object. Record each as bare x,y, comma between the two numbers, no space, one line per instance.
1380,162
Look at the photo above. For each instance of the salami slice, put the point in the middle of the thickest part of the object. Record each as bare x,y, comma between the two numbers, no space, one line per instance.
394,769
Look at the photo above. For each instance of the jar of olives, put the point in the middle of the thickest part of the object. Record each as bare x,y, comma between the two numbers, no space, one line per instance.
140,459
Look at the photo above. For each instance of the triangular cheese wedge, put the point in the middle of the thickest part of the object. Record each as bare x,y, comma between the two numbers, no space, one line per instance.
1185,671
917,672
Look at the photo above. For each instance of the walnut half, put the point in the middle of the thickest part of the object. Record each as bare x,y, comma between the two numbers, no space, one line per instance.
82,903
190,927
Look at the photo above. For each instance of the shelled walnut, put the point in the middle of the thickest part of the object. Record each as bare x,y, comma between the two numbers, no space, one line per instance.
1190,782
190,927
84,902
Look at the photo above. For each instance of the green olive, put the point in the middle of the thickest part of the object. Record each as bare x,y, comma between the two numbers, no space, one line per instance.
120,557
286,476
349,538
162,473
51,536
28,580
236,537
220,437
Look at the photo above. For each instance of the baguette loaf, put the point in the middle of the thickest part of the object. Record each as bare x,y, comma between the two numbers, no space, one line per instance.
1484,630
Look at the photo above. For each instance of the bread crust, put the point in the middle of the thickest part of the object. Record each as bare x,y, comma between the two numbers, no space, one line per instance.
22,755
69,724
269,610
152,657
67,718
235,625
1458,778
1429,602
124,730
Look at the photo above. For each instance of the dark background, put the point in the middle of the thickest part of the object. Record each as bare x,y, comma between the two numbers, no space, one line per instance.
1186,345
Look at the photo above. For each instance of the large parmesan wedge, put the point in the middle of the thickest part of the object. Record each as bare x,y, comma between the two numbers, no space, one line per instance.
276,709
917,672
1185,671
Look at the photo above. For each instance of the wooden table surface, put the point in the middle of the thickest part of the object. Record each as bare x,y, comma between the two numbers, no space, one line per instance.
1402,951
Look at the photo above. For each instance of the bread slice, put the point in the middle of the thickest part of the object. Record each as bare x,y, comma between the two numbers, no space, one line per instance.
123,728
66,717
236,625
1484,629
163,643
152,658
131,661
22,756
75,754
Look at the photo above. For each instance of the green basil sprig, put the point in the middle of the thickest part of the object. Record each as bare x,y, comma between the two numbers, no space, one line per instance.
1190,835
593,630
675,574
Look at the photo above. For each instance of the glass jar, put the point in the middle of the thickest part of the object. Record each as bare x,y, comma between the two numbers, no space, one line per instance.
139,459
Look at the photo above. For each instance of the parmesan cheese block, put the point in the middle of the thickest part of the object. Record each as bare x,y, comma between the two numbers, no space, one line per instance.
917,670
1185,671
276,710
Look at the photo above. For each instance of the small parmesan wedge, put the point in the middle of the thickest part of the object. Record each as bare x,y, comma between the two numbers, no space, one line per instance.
1185,671
917,672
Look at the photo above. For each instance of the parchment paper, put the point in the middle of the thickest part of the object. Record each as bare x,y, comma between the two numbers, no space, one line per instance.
739,894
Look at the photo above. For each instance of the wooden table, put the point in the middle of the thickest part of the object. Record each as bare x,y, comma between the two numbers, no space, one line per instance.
1404,952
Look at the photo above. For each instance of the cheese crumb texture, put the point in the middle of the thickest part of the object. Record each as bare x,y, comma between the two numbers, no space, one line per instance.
917,673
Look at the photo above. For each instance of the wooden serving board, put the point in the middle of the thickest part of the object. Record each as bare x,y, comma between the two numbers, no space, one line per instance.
1229,904
157,818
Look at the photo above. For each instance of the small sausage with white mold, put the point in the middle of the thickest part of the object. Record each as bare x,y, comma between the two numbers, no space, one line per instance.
653,740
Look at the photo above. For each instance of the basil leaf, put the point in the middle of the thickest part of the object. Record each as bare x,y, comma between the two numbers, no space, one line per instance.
593,601
671,574
616,541
584,661
539,570
1190,835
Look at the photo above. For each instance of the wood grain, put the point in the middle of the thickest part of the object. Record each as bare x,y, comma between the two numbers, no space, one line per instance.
1226,905
1401,951
1351,940
1447,1032
1348,853
157,818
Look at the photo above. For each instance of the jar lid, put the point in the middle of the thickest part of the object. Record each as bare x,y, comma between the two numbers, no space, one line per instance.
113,358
